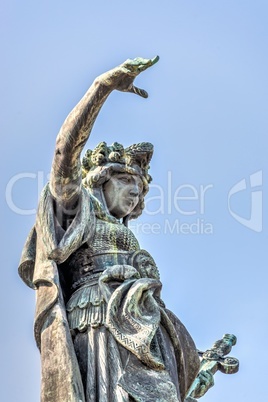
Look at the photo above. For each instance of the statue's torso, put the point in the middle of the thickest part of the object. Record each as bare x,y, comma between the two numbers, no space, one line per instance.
111,244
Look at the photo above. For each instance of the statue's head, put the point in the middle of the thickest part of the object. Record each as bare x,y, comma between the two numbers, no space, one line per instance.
119,176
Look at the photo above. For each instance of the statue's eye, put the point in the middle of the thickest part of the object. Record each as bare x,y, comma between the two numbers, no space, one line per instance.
124,179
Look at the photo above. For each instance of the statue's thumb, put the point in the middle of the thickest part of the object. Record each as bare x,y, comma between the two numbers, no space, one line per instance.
138,91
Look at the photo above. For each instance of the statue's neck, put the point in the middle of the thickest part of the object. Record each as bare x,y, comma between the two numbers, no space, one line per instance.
101,209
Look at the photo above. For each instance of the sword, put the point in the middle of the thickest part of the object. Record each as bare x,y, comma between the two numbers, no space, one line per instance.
211,361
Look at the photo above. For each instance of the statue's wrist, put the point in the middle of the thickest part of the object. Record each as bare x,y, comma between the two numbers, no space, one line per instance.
106,81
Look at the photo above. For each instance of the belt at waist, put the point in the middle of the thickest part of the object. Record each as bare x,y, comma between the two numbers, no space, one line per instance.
99,262
89,270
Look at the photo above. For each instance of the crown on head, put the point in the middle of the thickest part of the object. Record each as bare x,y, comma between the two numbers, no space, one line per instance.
135,158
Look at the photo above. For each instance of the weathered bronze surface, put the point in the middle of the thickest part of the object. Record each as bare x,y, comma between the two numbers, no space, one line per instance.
211,361
103,331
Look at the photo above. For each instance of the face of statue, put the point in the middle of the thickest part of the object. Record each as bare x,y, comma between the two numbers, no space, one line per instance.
122,193
147,267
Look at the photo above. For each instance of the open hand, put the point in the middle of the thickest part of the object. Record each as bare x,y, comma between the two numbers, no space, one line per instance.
122,77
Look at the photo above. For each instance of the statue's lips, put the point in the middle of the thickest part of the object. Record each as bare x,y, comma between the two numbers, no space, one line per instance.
130,202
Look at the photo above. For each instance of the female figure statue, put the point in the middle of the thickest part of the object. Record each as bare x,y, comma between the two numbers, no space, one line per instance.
102,329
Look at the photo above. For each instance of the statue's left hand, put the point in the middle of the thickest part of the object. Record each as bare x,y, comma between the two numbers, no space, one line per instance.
122,77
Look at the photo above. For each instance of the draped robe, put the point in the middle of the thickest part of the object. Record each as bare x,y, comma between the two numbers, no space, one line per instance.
143,375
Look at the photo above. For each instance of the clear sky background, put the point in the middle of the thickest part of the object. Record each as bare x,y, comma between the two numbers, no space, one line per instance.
207,117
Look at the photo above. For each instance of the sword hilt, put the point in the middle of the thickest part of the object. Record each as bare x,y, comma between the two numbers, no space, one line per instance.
211,361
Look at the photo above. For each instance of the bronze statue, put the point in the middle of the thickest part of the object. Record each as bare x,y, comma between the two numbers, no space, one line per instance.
103,331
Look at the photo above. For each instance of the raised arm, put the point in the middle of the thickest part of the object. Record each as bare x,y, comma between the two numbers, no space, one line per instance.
65,181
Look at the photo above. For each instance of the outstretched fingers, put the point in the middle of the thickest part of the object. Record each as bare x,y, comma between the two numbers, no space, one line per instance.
139,64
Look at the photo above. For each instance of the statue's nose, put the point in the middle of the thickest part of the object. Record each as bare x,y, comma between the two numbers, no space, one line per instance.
134,191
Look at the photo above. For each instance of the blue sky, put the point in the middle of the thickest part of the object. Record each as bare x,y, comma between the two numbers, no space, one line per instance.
207,117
